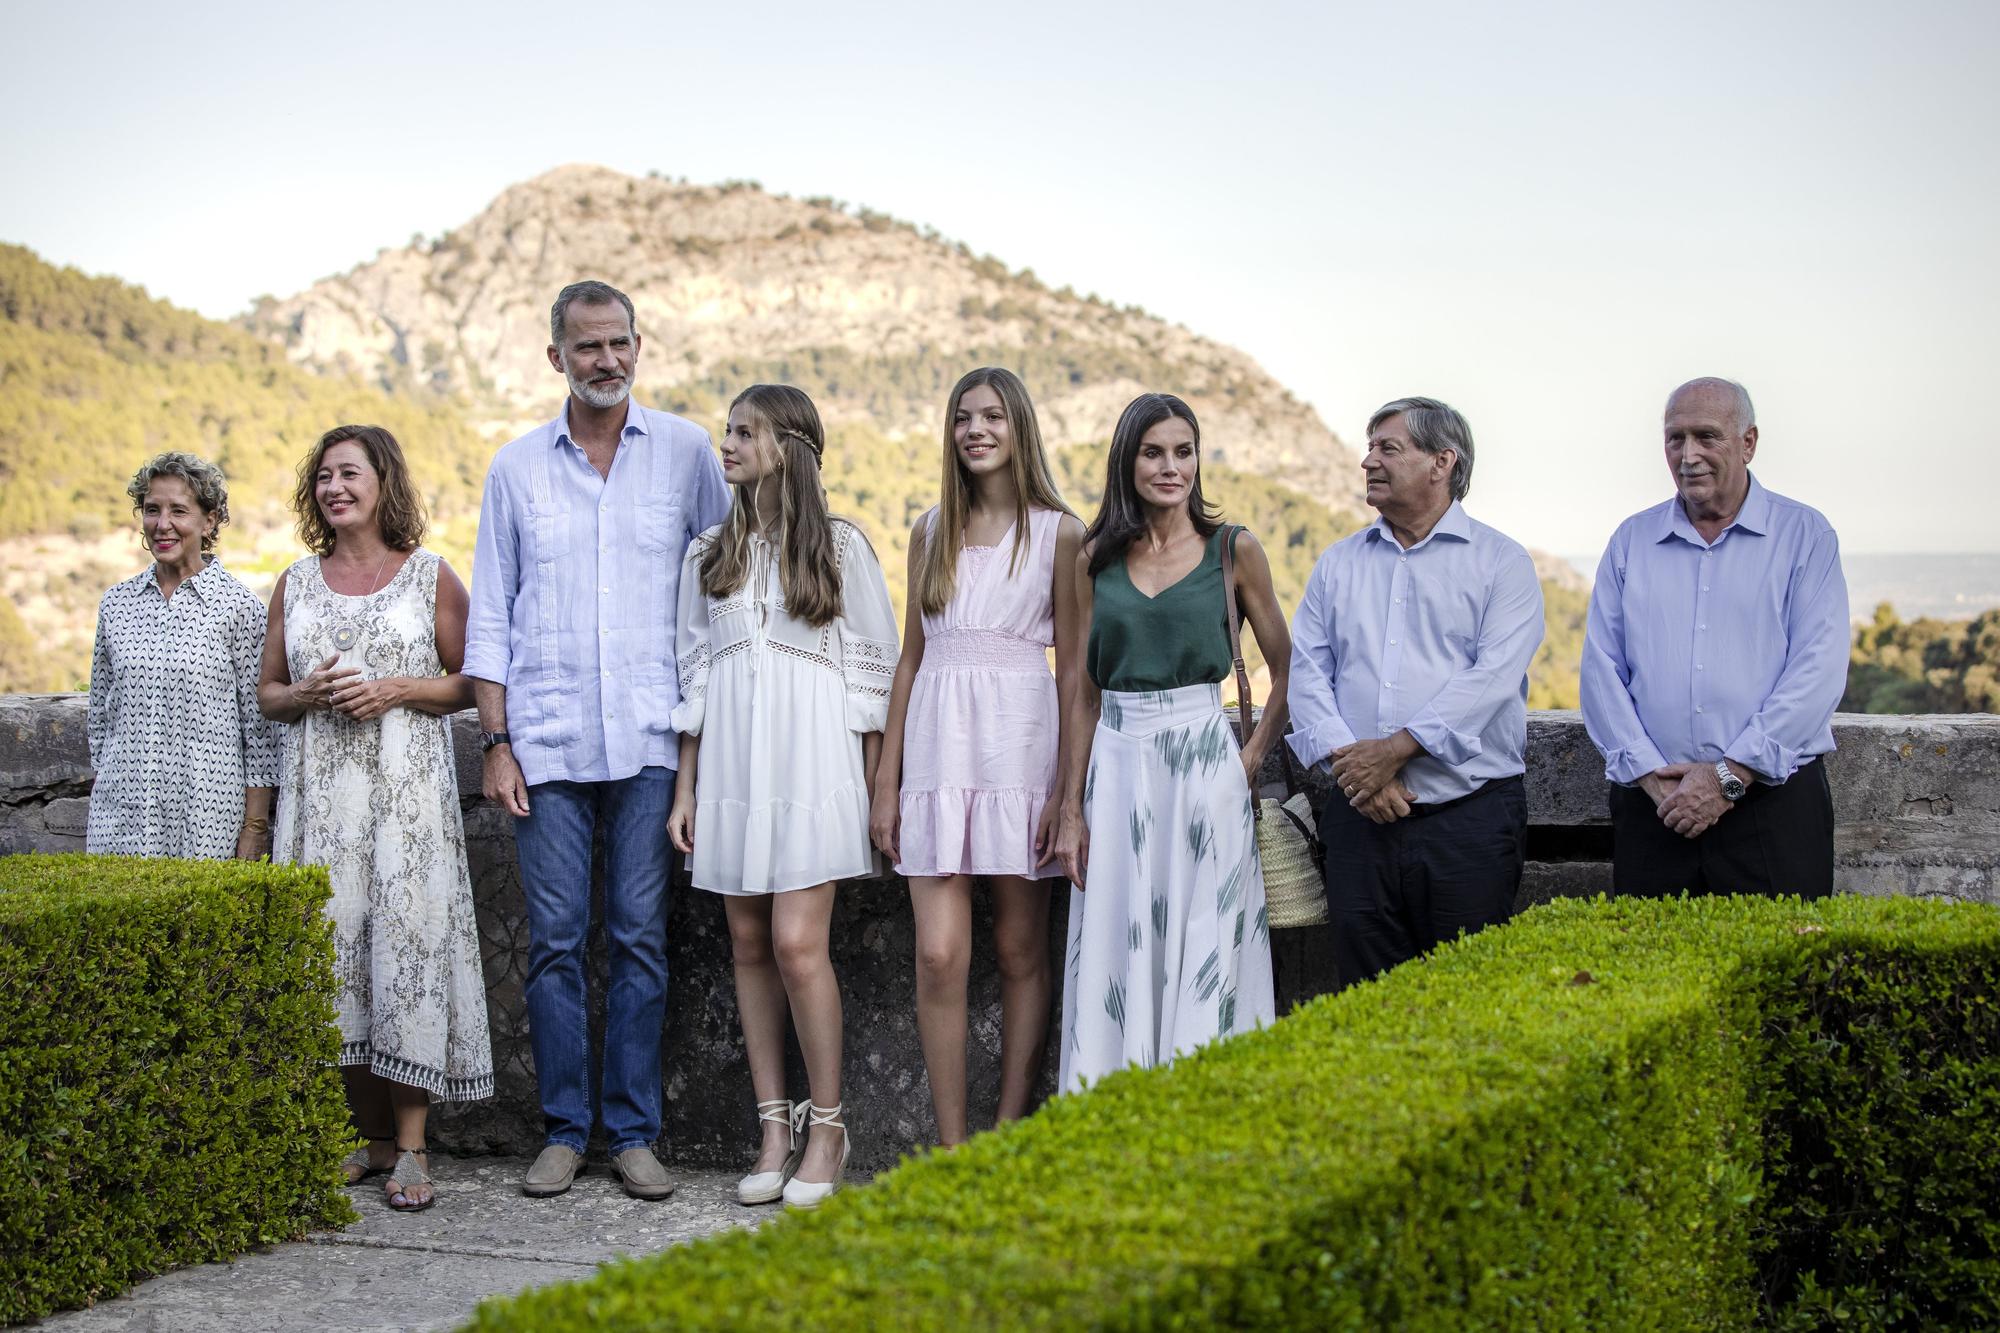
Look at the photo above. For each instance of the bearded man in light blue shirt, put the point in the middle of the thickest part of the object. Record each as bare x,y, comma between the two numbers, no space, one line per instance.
1410,656
570,644
1715,655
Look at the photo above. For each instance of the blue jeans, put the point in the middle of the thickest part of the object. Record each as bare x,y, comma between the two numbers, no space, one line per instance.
553,847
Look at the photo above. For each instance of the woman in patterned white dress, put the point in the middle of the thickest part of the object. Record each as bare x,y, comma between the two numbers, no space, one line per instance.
186,765
362,657
787,646
1169,943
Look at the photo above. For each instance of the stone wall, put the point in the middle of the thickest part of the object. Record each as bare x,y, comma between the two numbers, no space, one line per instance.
1917,801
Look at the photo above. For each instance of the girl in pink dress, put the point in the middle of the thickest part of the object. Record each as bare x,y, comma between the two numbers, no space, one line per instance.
971,750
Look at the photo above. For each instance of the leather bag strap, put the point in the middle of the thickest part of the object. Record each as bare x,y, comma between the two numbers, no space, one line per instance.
1243,722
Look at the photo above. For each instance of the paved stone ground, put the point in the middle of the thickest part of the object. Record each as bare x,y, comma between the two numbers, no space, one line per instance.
425,1270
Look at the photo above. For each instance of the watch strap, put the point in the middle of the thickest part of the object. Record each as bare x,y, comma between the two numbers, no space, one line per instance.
489,739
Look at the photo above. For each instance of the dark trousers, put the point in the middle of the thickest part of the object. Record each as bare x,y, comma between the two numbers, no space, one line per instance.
1395,891
1777,840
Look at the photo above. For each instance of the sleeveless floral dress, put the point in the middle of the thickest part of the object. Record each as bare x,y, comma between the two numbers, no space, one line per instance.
377,804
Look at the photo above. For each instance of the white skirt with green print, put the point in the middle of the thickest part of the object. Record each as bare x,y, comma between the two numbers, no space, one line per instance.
1170,948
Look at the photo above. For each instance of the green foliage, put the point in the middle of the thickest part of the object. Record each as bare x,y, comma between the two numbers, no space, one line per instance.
167,1089
96,377
1554,676
1926,666
1628,1115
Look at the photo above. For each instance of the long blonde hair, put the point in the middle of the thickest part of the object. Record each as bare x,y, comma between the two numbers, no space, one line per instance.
1034,487
808,564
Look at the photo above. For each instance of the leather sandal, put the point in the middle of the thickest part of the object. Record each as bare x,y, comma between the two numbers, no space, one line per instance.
408,1171
357,1166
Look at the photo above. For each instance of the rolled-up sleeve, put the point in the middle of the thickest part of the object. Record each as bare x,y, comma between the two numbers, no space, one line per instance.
691,647
495,580
1800,705
1449,727
262,738
867,636
1317,727
1609,713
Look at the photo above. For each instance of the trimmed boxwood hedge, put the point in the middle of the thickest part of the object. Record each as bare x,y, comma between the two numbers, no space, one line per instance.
167,1084
1710,1113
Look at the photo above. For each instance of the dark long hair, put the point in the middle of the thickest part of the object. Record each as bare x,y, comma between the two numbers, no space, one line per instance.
1122,516
399,511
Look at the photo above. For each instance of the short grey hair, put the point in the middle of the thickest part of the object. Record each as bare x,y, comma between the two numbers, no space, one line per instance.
204,479
1434,427
1746,413
590,292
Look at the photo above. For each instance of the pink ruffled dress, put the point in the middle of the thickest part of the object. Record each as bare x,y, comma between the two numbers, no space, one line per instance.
979,740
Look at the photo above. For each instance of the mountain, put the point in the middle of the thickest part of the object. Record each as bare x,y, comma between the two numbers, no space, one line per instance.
874,317
96,377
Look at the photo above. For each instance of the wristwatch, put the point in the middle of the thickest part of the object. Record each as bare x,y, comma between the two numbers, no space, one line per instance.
1732,786
489,739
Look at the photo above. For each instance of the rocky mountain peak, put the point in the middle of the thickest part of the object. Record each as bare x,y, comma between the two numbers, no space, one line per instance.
875,316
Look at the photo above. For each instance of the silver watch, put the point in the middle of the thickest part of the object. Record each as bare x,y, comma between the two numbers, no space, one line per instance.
1732,786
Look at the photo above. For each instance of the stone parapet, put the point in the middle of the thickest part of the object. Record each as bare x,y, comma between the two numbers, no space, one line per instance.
1917,800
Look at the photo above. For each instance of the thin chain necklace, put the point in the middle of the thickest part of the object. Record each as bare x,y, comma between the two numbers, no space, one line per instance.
348,633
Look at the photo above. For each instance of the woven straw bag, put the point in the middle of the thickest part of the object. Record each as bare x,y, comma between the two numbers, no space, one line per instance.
1288,846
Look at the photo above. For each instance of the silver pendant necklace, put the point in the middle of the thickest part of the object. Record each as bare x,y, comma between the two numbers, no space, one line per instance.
347,633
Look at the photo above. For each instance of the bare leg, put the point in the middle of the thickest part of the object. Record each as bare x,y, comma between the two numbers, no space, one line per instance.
369,1108
943,911
799,925
760,1000
412,1107
1021,943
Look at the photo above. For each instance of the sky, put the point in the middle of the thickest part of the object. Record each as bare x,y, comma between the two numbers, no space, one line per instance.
1548,214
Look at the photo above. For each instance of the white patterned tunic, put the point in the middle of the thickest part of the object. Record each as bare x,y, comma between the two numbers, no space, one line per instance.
781,801
175,733
376,803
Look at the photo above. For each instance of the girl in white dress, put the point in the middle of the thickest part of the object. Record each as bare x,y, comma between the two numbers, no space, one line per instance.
787,648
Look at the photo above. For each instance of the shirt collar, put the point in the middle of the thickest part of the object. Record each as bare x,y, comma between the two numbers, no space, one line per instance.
202,580
1753,517
634,420
1456,524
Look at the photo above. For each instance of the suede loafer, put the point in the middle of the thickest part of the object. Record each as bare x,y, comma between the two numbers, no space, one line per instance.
553,1171
642,1174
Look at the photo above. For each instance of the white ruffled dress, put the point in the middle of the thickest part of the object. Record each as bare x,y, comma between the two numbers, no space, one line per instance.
781,800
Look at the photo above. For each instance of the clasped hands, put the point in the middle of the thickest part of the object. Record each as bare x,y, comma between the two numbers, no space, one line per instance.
1369,775
1688,797
343,691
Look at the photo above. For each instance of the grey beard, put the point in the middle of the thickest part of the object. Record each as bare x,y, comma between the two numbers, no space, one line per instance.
595,396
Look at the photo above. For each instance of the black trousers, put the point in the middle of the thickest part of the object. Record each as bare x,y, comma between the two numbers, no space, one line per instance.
1395,891
1777,840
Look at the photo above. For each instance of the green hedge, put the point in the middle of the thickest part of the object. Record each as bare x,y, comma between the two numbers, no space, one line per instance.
167,1090
1714,1113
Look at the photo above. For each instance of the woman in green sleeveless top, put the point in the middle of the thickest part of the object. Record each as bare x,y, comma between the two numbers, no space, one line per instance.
1169,946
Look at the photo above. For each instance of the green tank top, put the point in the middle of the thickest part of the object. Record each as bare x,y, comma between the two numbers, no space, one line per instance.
1179,638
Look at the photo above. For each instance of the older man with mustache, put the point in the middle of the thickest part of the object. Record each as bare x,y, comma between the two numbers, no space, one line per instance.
1715,654
570,644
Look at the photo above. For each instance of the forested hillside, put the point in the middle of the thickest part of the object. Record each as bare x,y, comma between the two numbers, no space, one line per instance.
1925,666
95,376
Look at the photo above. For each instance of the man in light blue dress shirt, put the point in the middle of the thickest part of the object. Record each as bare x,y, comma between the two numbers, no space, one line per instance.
1410,656
570,644
1715,655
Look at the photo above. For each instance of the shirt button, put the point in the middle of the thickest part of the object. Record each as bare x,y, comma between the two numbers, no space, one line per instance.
1699,667
1702,627
1392,643
1704,587
1697,708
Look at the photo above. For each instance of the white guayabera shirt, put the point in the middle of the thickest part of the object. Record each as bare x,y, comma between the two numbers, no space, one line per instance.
175,733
